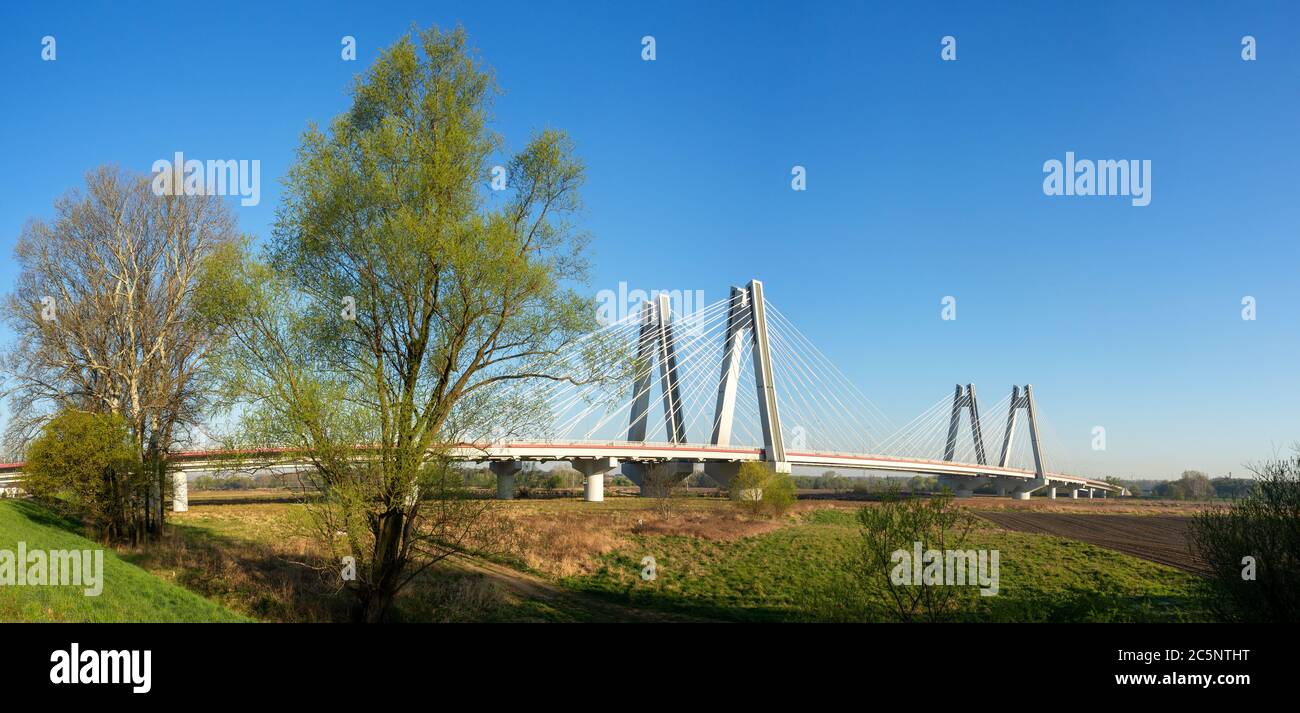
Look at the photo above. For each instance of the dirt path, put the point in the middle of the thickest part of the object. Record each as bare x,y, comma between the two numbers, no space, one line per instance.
532,587
1159,538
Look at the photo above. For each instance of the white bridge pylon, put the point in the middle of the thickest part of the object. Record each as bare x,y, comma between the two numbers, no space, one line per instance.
964,398
738,382
746,316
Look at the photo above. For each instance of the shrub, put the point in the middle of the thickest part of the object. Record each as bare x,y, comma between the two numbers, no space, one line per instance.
665,483
898,524
87,463
1263,526
760,489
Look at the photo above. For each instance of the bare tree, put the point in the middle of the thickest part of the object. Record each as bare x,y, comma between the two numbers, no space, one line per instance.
103,315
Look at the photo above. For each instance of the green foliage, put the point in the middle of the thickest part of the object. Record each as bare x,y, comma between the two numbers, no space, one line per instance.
1264,527
779,494
552,479
936,523
828,480
759,489
89,464
479,478
229,482
398,304
1232,488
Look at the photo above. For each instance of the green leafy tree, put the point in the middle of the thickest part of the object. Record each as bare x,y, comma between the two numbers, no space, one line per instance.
400,304
88,463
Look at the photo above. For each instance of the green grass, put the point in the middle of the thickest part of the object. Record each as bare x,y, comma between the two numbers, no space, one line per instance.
800,572
129,593
238,556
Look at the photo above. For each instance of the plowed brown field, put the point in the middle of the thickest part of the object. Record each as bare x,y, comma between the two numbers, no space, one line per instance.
1159,538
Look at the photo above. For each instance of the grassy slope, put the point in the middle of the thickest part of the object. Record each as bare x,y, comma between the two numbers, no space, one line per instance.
246,556
234,553
797,573
129,593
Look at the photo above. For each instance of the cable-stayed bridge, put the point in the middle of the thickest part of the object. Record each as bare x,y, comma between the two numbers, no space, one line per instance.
737,381
659,394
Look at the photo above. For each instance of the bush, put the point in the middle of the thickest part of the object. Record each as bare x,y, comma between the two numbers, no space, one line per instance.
897,524
1263,526
665,483
87,463
760,489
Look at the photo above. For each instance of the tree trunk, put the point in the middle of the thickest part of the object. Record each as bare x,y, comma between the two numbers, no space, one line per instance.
374,602
371,607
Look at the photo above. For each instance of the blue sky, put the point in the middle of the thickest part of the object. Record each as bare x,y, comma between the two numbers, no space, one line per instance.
924,177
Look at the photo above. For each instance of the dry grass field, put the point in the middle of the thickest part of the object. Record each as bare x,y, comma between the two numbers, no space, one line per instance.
562,559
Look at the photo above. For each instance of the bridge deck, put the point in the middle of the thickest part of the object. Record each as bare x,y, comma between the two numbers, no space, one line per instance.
543,451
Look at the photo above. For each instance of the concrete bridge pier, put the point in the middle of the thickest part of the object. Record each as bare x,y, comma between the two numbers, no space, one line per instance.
1026,490
1051,492
505,471
722,473
594,470
1074,493
963,486
1090,493
655,477
180,491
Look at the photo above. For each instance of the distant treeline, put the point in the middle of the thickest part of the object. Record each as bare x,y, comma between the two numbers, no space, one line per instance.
1192,485
830,480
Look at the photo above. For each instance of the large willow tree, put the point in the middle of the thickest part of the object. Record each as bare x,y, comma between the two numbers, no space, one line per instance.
398,300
